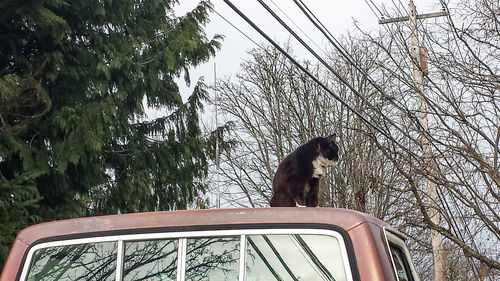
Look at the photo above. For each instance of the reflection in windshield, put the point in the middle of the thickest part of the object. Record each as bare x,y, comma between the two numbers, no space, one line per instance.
212,259
76,262
150,260
294,258
279,257
402,267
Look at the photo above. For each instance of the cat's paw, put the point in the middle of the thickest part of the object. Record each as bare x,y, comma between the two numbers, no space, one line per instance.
298,205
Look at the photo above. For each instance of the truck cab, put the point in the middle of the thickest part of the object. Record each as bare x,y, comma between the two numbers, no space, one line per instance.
222,244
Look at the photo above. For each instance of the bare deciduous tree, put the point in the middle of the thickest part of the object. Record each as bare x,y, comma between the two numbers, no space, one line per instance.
276,107
462,95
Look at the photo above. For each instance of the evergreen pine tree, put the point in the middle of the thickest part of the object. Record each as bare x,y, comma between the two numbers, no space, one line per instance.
76,78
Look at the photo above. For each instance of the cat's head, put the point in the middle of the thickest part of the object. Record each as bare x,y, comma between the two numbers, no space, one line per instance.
329,148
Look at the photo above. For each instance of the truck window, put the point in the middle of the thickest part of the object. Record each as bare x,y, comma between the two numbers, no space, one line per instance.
401,265
243,255
96,261
150,260
400,257
294,257
212,259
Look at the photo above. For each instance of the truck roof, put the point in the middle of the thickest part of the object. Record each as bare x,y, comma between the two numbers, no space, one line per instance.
189,220
343,218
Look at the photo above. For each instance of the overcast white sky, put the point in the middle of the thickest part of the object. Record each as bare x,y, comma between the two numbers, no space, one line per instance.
337,15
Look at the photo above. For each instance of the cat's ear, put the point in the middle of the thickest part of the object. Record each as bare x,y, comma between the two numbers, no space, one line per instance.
332,137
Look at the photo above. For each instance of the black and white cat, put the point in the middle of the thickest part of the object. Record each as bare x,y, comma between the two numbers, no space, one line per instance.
296,182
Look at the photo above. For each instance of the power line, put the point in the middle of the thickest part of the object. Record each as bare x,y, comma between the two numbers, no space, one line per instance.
453,223
314,78
331,38
344,81
341,78
346,54
381,14
247,36
323,31
319,25
310,15
303,32
402,5
239,30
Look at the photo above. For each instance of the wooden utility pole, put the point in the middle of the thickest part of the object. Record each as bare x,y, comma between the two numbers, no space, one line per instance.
419,61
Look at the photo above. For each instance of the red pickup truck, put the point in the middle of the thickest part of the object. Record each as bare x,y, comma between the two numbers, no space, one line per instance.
297,244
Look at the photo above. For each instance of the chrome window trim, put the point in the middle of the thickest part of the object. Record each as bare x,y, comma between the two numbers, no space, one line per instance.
396,239
243,251
120,253
181,259
184,235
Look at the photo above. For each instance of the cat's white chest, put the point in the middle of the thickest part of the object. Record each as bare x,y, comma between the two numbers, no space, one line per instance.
319,165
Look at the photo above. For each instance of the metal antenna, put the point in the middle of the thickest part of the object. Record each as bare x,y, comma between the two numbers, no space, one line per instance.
217,160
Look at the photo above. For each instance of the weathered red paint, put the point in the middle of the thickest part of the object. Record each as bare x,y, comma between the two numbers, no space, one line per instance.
364,230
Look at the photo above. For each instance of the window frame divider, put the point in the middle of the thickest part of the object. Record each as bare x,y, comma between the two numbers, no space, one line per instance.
243,249
181,259
120,254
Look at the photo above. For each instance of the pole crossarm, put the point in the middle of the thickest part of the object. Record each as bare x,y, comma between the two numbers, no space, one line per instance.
421,16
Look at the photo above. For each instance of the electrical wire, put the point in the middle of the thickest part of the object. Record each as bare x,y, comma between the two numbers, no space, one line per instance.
329,36
381,14
296,25
314,78
310,15
239,30
345,82
320,83
319,25
347,57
